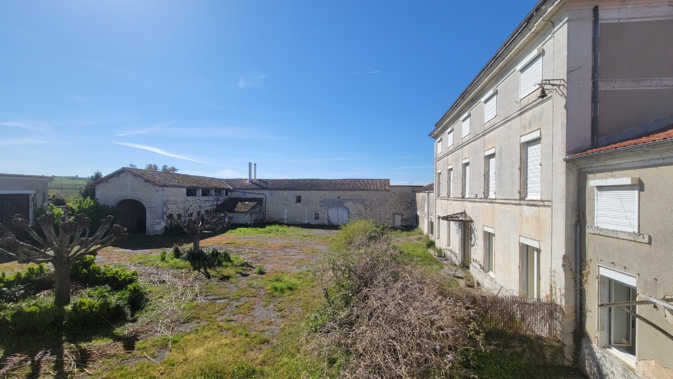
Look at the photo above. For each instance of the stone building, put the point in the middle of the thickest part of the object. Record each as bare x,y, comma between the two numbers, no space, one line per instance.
625,204
22,195
574,75
144,198
330,201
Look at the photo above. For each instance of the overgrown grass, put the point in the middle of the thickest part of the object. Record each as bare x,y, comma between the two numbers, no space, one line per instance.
279,230
417,252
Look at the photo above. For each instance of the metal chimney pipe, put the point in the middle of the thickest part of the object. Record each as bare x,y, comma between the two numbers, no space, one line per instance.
255,172
249,172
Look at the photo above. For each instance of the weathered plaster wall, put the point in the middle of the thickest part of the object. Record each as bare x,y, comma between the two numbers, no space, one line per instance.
36,188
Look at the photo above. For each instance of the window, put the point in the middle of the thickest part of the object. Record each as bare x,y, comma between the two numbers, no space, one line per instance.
489,249
531,76
532,161
618,327
438,190
191,191
530,268
489,174
316,216
205,192
449,137
466,178
217,192
439,146
297,199
616,204
438,236
449,181
465,123
490,107
448,233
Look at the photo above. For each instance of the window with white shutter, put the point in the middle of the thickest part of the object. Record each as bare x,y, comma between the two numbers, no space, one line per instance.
490,107
532,165
465,124
530,76
438,185
449,182
489,165
466,179
439,146
449,138
617,207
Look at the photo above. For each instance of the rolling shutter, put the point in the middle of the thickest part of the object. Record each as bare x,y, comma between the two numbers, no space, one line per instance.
466,126
490,108
533,162
531,75
466,180
449,138
491,176
617,208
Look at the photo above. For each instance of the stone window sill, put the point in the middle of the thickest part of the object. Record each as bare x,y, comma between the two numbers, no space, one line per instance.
629,236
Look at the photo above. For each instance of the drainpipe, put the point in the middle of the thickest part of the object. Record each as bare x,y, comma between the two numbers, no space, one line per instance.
594,81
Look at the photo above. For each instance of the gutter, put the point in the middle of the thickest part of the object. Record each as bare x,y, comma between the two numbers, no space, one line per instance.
571,158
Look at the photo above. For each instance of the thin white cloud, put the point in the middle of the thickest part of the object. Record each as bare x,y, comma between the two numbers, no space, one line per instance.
22,141
147,130
250,81
336,159
28,125
375,72
162,152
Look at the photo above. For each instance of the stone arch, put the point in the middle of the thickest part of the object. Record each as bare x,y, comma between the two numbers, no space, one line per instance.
132,215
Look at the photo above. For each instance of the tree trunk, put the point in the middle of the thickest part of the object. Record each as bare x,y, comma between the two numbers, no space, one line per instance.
61,283
196,244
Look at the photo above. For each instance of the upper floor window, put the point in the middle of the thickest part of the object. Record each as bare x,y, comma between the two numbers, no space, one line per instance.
531,164
206,192
438,188
449,137
297,199
449,181
191,191
217,192
466,177
616,204
489,175
465,124
490,107
439,146
530,74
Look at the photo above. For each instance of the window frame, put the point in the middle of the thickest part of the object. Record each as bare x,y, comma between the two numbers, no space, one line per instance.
607,279
488,184
605,186
490,102
449,137
526,246
526,177
297,199
449,181
530,63
466,124
466,178
489,250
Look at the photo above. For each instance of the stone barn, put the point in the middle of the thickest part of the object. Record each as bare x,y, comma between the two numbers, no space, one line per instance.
243,210
330,201
144,198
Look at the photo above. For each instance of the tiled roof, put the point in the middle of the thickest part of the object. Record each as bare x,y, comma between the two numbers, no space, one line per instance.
167,179
310,184
661,135
25,176
238,205
430,187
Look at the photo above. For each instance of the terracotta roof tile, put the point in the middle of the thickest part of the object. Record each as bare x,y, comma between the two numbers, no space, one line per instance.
310,184
644,140
25,176
167,179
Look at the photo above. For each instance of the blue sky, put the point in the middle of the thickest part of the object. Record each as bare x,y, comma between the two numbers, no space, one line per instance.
304,88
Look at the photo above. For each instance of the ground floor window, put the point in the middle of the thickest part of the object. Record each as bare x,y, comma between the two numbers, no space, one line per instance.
617,323
489,250
530,268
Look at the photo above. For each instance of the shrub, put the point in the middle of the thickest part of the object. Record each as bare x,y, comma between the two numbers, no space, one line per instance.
280,284
95,308
24,283
162,255
260,270
87,272
177,252
360,230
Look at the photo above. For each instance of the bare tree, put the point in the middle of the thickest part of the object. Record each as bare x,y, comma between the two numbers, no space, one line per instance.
61,248
196,224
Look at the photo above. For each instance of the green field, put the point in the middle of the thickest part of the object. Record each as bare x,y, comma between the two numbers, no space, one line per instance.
67,185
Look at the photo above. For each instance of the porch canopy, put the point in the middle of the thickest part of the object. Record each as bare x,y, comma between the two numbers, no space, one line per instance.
457,217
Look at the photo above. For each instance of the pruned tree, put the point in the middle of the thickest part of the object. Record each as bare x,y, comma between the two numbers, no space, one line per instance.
62,248
195,224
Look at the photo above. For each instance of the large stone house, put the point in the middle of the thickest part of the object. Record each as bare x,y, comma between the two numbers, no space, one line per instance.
625,207
22,195
145,198
574,75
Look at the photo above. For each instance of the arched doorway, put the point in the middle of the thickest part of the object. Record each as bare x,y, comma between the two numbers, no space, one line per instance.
132,215
338,215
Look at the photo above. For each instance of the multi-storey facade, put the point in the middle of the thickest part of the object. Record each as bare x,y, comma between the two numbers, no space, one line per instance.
573,75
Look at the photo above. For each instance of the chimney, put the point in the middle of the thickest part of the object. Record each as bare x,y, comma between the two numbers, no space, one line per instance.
249,172
255,172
